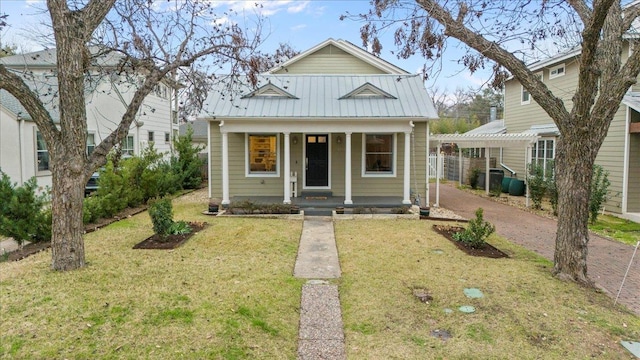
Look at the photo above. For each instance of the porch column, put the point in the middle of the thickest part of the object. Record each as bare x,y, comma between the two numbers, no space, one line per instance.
225,169
287,170
486,174
527,161
347,169
407,169
438,175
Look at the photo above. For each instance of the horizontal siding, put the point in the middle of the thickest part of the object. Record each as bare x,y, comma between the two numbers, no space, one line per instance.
330,64
240,185
633,202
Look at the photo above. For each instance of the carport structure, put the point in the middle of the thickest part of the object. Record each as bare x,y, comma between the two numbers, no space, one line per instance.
523,141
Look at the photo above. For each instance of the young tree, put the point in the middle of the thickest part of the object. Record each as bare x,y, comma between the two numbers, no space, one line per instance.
489,29
157,39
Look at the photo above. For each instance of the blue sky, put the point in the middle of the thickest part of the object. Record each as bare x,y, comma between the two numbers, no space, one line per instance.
302,24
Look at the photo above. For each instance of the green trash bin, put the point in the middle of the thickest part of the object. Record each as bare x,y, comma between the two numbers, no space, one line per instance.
516,187
506,181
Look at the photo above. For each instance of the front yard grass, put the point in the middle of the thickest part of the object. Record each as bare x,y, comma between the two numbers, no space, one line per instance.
525,312
227,293
622,230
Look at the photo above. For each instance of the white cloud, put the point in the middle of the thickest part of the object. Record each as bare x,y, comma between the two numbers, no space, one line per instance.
298,7
298,27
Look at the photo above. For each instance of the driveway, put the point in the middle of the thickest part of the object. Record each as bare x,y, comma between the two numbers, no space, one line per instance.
607,261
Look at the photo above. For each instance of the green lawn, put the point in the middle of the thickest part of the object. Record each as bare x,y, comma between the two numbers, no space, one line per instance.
525,312
229,293
616,228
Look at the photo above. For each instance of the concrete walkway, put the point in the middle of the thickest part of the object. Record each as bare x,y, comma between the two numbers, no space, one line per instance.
607,261
320,334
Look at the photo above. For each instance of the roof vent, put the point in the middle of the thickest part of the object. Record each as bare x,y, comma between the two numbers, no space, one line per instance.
269,91
368,91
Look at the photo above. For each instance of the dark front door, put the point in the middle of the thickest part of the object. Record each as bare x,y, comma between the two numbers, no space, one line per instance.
317,162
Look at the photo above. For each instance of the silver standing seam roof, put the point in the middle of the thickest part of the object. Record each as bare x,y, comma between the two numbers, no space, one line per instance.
319,96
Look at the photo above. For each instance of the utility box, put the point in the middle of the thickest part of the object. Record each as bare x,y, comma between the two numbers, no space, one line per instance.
495,179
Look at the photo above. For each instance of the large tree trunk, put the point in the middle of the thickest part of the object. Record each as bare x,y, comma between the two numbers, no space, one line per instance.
574,164
67,244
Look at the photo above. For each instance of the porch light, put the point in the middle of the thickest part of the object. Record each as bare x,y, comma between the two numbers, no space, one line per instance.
339,139
294,140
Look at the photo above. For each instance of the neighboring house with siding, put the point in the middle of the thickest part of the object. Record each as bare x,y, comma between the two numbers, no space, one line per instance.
620,151
23,152
346,123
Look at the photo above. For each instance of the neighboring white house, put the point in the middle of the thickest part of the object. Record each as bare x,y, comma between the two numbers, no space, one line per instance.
23,153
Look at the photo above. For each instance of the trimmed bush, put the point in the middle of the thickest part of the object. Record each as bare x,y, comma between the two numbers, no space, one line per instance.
537,185
23,215
186,162
476,232
161,213
599,191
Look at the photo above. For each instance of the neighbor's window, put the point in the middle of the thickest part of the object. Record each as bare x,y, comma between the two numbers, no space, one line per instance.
262,152
42,153
127,146
378,153
151,135
543,153
91,143
525,96
556,71
167,137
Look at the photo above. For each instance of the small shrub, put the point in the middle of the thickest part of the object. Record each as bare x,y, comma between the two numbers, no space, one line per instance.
186,160
180,228
92,209
477,231
552,188
599,192
23,215
161,213
536,184
473,178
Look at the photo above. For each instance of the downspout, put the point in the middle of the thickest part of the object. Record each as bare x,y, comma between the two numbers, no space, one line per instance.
21,147
209,157
625,162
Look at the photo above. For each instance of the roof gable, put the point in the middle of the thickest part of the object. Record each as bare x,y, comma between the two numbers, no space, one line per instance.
368,91
340,48
269,91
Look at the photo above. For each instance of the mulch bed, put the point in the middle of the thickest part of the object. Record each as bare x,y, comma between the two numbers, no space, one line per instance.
28,250
486,251
160,242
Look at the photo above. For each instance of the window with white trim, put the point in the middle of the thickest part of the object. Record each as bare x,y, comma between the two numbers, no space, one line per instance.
262,154
127,146
525,97
543,153
379,154
556,71
91,143
42,154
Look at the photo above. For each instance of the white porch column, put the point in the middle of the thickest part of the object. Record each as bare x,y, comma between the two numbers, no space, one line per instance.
427,170
347,169
438,176
225,169
407,169
486,171
527,161
460,165
287,170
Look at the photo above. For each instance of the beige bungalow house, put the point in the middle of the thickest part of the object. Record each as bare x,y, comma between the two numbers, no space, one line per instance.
334,121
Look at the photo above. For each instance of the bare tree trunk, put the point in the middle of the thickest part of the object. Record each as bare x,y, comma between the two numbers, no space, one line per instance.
574,166
67,244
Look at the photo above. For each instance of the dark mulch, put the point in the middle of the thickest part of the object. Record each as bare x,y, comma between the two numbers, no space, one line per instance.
486,251
168,242
28,250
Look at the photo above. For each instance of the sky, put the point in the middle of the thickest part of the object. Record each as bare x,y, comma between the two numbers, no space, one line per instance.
300,23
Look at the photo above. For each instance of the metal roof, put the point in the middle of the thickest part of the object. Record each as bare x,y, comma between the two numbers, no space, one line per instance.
485,140
318,96
545,129
632,100
48,58
492,127
200,128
